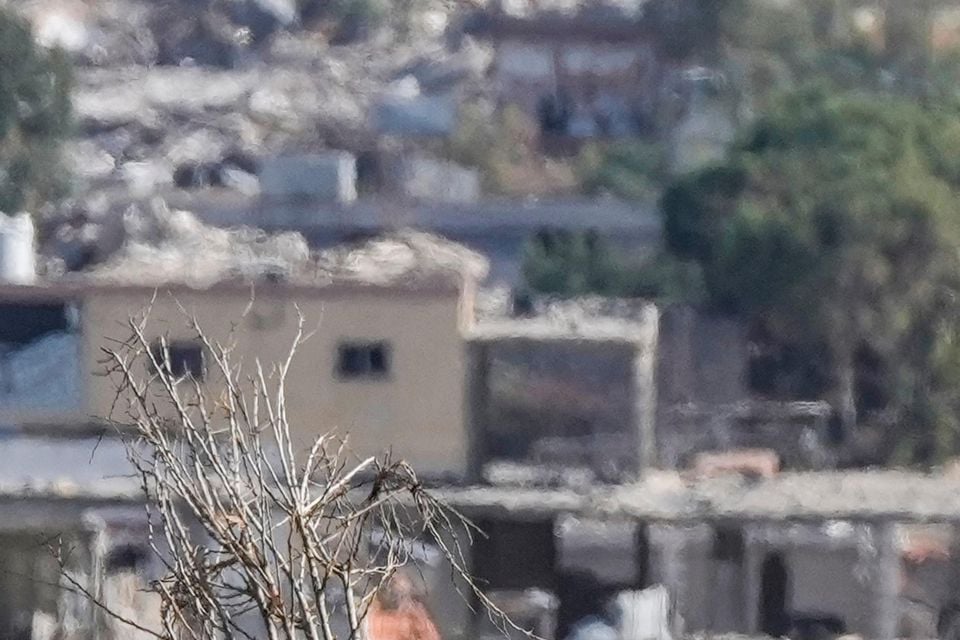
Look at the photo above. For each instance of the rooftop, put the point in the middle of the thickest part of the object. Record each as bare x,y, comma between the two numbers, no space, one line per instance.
613,330
79,468
899,496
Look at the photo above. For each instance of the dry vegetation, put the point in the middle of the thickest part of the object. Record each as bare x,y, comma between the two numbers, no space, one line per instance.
255,538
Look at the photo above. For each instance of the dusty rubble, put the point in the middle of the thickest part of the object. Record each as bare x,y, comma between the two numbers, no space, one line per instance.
164,246
176,91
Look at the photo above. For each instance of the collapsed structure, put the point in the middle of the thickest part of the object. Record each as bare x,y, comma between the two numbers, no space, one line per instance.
588,446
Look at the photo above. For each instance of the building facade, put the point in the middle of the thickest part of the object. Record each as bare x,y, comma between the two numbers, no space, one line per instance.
384,365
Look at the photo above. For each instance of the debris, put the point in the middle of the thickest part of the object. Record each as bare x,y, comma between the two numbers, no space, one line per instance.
167,247
144,178
87,161
533,609
240,181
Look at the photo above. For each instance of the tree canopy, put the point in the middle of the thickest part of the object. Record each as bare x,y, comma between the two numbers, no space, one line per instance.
834,227
582,263
34,117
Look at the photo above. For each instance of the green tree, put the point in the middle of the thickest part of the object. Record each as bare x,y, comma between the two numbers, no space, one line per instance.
34,117
834,225
581,263
630,170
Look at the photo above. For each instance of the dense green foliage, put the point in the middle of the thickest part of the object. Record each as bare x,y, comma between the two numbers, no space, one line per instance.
572,264
632,170
835,229
34,118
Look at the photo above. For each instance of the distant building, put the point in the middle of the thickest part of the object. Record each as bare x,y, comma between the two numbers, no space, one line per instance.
581,76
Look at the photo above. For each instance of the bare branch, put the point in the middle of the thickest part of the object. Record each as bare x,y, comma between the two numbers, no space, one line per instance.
254,535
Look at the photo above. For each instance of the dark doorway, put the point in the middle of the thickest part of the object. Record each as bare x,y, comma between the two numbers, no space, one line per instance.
515,555
581,596
774,592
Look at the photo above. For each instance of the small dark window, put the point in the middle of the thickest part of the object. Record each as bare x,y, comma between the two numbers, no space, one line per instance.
125,558
180,359
371,360
728,544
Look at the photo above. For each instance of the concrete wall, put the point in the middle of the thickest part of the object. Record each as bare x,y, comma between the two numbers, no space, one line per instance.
417,409
704,402
548,391
680,559
421,115
834,570
419,177
827,581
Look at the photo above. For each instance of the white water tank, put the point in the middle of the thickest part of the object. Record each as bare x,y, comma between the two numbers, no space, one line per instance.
18,261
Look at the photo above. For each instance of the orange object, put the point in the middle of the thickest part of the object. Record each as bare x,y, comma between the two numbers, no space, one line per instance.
398,614
762,463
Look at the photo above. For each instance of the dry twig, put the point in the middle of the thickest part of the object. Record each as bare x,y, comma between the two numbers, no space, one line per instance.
257,538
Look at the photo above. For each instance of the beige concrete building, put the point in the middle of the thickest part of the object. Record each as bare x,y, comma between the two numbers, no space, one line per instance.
385,363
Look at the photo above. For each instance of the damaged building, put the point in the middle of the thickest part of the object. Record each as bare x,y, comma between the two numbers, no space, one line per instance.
626,482
805,554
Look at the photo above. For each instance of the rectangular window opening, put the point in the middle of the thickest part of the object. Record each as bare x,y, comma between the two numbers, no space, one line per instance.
181,359
363,360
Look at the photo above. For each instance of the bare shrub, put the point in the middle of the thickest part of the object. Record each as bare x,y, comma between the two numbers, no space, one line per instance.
256,538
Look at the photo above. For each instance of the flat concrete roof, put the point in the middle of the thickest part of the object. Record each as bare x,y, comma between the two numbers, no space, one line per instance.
544,329
898,496
90,469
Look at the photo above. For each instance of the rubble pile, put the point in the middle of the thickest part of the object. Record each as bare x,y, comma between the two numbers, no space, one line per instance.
402,256
166,246
190,93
